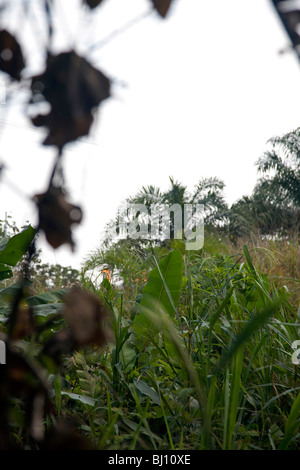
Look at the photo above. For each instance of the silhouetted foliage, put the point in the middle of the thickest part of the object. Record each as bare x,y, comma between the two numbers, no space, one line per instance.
48,321
59,322
11,56
73,88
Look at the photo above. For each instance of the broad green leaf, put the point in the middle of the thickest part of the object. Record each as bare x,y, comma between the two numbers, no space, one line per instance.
127,355
110,291
3,243
17,246
47,298
164,283
5,272
161,293
44,310
146,390
8,293
83,399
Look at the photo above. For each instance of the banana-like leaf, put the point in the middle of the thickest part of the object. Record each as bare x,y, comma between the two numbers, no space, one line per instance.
161,293
164,284
17,246
5,272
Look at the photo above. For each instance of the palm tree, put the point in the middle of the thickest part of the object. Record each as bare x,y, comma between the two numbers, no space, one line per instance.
255,216
280,168
208,192
274,206
130,258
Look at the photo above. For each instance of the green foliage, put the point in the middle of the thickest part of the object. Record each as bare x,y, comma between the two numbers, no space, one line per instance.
161,293
164,283
209,192
200,356
213,371
45,276
13,249
281,167
201,359
274,206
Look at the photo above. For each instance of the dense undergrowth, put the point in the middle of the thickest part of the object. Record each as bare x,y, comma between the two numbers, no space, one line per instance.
200,356
149,347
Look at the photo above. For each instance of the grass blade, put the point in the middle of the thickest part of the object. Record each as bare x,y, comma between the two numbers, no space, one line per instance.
232,393
292,424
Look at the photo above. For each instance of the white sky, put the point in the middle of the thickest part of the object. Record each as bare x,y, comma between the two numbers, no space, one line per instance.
203,92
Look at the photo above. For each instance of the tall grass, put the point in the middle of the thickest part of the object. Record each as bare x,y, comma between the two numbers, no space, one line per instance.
214,370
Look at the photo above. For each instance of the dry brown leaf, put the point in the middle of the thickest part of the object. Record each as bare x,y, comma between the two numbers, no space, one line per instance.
56,216
11,57
162,6
63,130
24,324
22,375
73,88
92,3
87,318
59,344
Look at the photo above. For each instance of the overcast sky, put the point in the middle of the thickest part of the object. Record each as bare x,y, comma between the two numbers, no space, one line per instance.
195,95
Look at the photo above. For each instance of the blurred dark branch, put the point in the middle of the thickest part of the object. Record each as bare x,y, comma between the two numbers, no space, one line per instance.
289,14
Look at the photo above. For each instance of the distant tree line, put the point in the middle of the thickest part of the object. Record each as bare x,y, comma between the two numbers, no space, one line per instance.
44,276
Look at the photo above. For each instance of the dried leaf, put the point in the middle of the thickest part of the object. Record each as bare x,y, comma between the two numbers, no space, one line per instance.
162,6
59,344
56,216
73,88
63,130
24,324
23,378
22,375
92,3
87,318
11,57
